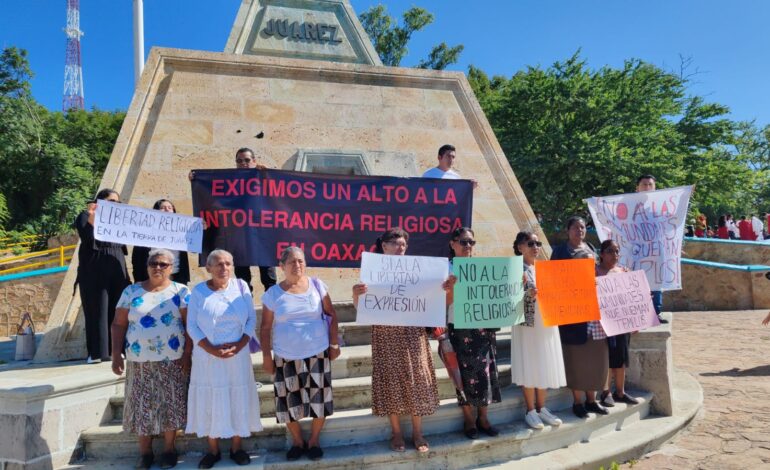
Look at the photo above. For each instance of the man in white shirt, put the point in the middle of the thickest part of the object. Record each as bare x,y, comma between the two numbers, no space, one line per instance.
758,227
446,157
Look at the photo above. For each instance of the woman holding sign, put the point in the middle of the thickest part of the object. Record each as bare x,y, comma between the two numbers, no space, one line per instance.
536,356
403,378
584,346
299,315
609,256
180,271
102,276
476,354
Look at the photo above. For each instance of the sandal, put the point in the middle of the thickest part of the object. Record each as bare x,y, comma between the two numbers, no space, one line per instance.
421,445
397,443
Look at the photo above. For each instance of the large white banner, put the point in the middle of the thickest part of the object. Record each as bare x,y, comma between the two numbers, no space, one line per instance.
649,228
137,226
402,290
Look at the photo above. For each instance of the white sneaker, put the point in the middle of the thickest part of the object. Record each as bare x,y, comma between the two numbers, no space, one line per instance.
533,420
93,361
549,418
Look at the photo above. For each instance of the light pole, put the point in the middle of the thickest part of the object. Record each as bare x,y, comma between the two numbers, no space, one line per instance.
138,40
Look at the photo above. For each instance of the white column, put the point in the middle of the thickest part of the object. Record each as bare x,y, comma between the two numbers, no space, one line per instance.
138,40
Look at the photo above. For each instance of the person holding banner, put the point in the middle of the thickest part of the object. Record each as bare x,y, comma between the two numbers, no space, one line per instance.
403,377
101,276
536,356
586,357
180,271
150,318
609,256
476,351
643,184
223,400
299,315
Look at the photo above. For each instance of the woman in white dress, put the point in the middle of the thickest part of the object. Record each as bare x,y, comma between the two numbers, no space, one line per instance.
536,357
223,400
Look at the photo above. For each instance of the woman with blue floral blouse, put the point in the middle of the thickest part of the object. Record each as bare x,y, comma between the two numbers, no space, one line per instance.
150,322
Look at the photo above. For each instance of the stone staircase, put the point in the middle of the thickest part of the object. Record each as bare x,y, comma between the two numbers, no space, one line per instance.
354,438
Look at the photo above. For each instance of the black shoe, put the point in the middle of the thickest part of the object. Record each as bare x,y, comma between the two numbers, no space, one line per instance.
295,453
144,462
579,410
663,321
168,460
471,433
626,398
315,453
491,431
594,407
606,399
240,457
209,460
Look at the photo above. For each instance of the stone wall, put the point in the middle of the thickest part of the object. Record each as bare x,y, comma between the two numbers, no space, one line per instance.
709,287
727,251
35,295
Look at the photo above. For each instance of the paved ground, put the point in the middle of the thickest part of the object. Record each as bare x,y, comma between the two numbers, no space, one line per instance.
729,354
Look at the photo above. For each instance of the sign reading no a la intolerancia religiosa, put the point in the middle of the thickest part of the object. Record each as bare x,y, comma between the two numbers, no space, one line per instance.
137,226
488,292
402,290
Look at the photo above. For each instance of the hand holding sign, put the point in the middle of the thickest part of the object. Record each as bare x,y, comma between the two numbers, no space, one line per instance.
489,292
401,290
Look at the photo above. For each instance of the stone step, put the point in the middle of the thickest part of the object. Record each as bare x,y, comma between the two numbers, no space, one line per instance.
356,361
349,393
356,439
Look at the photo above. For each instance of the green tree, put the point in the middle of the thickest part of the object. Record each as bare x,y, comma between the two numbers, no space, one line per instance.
570,133
390,39
51,161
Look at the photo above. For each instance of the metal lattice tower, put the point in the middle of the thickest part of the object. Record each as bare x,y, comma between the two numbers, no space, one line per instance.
73,70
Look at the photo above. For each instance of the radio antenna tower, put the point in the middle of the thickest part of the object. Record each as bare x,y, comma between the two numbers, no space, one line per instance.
73,70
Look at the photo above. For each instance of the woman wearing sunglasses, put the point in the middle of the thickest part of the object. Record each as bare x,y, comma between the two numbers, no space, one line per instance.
150,320
476,351
536,356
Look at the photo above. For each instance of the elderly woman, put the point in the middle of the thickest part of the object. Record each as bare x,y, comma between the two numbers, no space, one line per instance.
476,351
403,378
609,256
536,356
295,311
180,271
150,320
102,276
584,347
223,400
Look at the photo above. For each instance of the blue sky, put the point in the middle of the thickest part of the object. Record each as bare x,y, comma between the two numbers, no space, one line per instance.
728,42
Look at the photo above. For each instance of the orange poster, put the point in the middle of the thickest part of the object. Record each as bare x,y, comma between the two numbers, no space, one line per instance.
566,291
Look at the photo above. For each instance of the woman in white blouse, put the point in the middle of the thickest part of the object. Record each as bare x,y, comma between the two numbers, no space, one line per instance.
223,400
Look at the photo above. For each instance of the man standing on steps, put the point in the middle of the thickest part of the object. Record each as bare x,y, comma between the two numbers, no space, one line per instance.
647,183
245,159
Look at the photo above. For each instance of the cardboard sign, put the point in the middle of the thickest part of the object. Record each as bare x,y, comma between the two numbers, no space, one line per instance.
402,290
137,226
566,291
489,292
625,302
649,228
255,214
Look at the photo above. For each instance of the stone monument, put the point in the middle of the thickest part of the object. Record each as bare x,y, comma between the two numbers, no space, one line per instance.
301,84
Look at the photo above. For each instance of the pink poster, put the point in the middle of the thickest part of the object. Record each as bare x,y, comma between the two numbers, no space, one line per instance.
625,303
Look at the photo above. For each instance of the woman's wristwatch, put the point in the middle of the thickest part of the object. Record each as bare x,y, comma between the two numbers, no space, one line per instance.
334,346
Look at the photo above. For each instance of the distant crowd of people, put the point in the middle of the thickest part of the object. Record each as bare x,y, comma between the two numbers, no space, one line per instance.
748,228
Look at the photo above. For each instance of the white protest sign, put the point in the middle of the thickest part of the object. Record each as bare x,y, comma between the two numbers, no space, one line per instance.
402,290
131,225
648,227
625,302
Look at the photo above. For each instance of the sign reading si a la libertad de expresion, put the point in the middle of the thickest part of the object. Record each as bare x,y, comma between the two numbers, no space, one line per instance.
625,302
648,227
305,31
402,290
255,214
137,226
488,292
